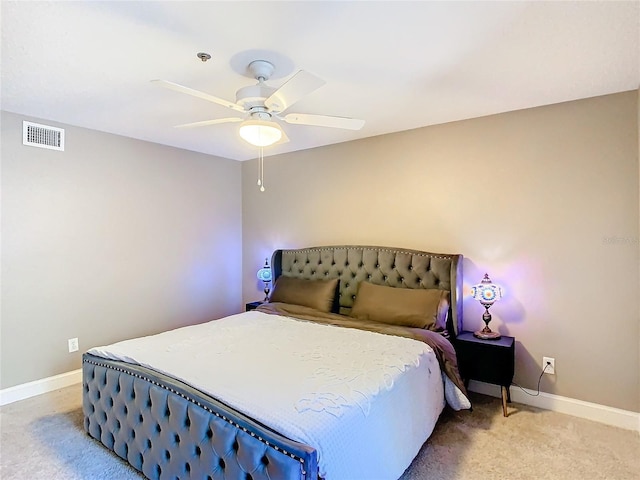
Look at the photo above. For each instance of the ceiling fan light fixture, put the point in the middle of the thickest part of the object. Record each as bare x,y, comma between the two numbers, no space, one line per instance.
260,133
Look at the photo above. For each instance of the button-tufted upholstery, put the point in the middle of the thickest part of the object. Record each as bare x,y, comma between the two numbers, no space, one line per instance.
168,430
379,265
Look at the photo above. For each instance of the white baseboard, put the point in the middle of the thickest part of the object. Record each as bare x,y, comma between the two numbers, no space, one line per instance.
578,408
37,387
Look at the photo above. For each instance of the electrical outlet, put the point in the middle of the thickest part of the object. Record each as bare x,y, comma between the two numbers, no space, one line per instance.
73,345
550,363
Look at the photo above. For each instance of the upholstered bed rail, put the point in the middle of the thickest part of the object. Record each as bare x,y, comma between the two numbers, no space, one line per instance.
378,265
155,423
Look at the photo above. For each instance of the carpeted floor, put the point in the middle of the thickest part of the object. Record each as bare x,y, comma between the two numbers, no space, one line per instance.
43,438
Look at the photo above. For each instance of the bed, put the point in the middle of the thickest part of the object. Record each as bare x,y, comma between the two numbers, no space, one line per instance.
223,399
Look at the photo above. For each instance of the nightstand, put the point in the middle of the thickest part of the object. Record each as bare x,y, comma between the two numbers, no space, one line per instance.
491,361
252,305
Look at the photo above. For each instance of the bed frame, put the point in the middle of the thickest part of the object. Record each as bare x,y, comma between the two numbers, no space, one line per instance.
167,430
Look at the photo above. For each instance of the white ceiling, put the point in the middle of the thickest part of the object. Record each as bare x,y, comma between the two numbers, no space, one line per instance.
397,65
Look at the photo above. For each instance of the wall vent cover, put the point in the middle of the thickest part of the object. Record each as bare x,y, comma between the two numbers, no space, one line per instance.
42,136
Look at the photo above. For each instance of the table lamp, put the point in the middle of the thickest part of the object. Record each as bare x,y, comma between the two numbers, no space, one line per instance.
487,293
264,274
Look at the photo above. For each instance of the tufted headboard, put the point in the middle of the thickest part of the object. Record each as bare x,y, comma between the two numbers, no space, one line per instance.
395,267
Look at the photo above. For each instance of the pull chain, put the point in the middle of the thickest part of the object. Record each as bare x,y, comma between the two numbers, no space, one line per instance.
261,169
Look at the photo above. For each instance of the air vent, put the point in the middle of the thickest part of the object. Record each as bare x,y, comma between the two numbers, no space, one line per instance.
42,136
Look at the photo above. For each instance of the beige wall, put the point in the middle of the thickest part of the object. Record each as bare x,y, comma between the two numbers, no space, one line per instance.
111,239
545,200
116,238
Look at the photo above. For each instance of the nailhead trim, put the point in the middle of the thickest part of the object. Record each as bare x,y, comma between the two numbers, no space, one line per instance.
195,402
375,249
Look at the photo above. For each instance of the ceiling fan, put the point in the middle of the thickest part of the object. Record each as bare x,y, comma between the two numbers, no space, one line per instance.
261,104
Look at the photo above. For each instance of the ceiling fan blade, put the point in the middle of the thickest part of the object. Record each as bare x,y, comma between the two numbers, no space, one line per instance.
324,121
284,138
199,94
298,86
209,122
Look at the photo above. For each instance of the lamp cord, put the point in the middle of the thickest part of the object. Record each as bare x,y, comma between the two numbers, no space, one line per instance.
539,378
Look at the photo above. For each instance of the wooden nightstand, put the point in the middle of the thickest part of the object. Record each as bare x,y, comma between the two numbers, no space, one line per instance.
252,305
491,361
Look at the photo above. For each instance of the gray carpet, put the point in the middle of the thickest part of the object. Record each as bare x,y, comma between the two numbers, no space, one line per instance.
43,438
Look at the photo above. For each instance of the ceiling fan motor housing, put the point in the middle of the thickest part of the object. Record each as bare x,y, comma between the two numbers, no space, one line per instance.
253,95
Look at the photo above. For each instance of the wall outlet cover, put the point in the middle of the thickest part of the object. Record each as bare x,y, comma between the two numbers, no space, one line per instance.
550,364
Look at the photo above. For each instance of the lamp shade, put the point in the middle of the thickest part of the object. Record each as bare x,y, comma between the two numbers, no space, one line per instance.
264,274
260,133
486,292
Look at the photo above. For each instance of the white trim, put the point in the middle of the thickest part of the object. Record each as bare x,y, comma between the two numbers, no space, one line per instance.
37,387
570,406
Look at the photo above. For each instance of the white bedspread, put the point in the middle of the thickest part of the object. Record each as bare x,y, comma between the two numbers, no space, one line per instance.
366,401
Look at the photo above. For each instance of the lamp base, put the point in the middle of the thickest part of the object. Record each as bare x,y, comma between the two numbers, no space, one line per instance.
486,334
